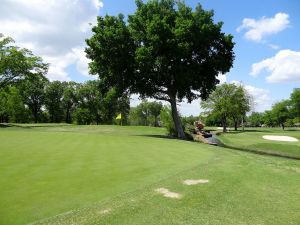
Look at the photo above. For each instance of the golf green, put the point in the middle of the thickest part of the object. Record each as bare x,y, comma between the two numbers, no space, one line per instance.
108,175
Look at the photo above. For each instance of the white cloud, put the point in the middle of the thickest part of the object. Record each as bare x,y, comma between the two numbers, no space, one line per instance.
284,67
222,78
275,47
256,30
261,98
55,30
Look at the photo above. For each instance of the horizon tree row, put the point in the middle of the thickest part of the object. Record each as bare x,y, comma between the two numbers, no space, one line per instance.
36,99
285,113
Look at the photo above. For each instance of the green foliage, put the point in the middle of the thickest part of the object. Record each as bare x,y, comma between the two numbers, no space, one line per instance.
228,101
146,113
167,121
280,112
295,103
166,51
255,119
102,104
17,64
269,119
12,108
69,99
33,94
53,101
83,116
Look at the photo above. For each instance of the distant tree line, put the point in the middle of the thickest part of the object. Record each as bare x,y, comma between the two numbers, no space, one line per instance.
229,105
26,95
39,100
285,113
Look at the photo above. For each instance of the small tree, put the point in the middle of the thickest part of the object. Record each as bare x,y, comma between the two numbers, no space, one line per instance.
166,51
228,101
33,93
281,112
53,101
255,119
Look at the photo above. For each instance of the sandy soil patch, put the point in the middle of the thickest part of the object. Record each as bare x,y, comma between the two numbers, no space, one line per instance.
167,193
221,128
194,182
105,211
280,138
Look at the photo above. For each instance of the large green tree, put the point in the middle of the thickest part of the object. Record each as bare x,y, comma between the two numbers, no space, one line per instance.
166,51
18,63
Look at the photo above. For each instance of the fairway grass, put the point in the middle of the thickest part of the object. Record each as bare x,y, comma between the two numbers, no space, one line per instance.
252,140
109,174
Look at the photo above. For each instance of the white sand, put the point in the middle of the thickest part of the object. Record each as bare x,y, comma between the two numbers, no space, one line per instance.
194,182
167,193
280,138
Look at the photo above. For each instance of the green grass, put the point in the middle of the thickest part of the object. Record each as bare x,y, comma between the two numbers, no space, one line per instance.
252,140
69,174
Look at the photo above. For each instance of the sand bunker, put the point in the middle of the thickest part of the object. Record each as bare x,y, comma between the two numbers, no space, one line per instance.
280,138
194,182
168,193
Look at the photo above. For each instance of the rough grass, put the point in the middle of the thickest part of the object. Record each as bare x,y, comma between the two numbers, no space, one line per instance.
108,175
252,140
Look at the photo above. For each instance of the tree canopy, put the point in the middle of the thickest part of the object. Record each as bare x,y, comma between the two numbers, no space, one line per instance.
228,101
18,63
166,51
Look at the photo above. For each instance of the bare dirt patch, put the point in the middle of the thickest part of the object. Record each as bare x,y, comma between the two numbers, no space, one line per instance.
168,194
280,138
194,182
105,211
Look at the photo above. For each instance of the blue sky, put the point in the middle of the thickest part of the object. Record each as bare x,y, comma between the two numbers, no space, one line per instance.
267,43
248,52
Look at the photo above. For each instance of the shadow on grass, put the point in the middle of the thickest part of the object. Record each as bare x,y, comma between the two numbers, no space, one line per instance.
162,137
27,126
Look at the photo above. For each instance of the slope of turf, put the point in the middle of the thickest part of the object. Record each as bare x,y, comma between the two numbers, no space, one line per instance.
252,140
107,175
45,171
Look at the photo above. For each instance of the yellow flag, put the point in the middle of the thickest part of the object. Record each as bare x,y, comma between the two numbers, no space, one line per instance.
119,117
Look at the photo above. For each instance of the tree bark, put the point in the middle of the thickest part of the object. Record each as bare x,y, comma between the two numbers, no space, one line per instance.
235,125
176,118
224,121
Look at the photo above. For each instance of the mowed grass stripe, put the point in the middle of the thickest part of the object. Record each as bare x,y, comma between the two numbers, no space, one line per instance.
47,173
242,189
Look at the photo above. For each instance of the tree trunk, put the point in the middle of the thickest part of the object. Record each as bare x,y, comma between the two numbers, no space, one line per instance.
176,119
224,122
243,124
235,125
35,116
